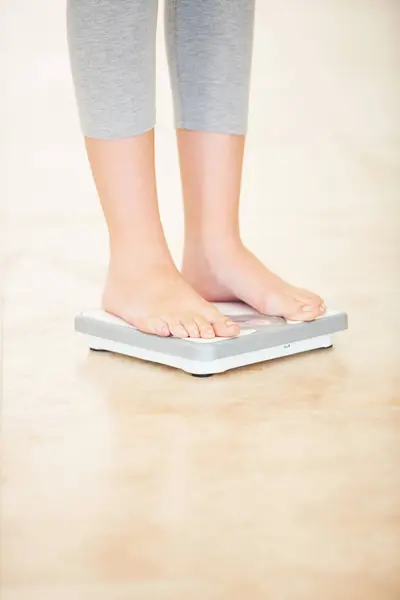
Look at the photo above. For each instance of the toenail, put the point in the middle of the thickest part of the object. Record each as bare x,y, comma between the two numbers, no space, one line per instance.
308,308
231,323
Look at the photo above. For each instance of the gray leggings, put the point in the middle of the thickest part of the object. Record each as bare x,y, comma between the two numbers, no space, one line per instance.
112,52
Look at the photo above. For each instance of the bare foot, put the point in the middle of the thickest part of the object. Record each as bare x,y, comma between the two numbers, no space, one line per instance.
232,272
157,300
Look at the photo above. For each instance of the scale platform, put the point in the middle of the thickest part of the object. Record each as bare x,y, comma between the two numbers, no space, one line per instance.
261,338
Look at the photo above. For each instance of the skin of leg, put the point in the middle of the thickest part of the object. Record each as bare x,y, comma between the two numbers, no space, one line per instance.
143,285
112,54
216,263
209,46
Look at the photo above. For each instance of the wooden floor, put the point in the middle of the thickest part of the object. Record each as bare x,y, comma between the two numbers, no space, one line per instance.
128,481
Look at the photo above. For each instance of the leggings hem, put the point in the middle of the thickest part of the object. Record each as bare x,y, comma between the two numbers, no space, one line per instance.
120,135
201,126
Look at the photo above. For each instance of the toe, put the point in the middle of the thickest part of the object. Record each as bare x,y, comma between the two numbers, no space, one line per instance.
307,298
311,302
176,328
160,327
225,327
206,330
302,312
191,327
153,325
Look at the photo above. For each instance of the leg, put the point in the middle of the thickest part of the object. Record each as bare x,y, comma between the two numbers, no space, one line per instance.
112,49
210,46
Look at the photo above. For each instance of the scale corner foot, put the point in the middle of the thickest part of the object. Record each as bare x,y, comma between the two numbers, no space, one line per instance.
202,375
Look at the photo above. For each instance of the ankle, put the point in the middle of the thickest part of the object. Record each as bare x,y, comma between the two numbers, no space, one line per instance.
211,248
134,266
136,253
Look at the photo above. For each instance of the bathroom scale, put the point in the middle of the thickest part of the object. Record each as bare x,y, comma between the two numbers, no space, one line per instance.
261,338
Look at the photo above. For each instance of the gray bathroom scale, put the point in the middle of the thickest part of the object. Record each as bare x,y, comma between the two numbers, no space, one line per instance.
261,338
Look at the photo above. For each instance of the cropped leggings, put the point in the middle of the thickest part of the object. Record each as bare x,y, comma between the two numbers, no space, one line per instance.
112,52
